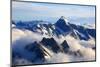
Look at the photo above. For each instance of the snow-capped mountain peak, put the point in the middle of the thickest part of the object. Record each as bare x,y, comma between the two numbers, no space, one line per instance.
63,24
65,19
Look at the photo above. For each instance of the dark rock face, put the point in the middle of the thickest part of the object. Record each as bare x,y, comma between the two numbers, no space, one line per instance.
63,25
65,46
82,32
92,32
51,43
35,47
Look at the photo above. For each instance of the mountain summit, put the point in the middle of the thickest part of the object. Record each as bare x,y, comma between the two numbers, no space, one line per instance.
65,19
63,24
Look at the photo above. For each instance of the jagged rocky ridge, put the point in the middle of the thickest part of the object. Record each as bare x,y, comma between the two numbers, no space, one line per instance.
61,27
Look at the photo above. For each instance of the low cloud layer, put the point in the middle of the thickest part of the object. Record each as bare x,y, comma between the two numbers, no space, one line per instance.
23,37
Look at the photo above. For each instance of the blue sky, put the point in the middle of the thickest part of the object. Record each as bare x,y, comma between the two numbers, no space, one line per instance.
51,12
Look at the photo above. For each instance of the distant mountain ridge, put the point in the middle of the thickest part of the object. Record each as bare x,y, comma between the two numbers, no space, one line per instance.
61,27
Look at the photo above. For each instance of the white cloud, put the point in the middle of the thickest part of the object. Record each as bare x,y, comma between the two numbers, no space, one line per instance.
90,43
58,58
88,54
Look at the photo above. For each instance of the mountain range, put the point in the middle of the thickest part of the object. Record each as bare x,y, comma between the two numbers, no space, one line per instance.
38,52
